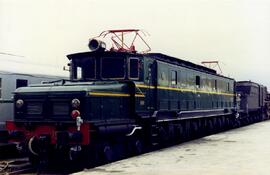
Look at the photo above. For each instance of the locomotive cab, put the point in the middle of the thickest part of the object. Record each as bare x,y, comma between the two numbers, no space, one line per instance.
105,66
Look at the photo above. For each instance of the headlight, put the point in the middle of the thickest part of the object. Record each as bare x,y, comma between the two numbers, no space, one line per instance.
75,103
19,103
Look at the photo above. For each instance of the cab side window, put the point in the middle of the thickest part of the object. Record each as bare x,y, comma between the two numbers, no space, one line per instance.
133,68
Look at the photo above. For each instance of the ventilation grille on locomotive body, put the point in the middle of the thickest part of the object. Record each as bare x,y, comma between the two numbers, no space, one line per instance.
34,108
60,108
48,109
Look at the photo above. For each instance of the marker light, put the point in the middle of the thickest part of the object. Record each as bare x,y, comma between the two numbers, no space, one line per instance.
19,103
75,103
75,114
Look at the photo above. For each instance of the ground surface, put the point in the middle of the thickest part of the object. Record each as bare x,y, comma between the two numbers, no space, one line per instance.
243,151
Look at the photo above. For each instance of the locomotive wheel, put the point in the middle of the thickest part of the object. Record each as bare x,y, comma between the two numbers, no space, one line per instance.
259,117
219,124
248,121
108,153
119,150
242,122
187,130
223,125
227,123
138,146
216,125
209,126
116,150
194,129
251,120
204,127
238,123
201,131
90,156
181,133
134,145
163,136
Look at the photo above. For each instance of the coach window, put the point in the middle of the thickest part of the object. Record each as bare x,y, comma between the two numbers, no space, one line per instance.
21,83
173,77
133,68
228,87
198,81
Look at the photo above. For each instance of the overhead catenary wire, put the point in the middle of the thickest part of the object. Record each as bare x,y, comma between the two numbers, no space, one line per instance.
23,62
10,54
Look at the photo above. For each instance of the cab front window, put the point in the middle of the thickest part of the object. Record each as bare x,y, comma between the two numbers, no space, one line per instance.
85,69
112,68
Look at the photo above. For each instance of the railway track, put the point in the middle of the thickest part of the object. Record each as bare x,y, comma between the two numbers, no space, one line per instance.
16,166
23,166
11,162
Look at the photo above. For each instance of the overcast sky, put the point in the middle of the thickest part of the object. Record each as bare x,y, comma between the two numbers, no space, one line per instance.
234,32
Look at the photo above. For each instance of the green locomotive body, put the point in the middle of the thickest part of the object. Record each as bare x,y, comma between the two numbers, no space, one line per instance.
117,104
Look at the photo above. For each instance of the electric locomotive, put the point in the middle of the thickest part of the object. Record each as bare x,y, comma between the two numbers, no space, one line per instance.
253,102
118,103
